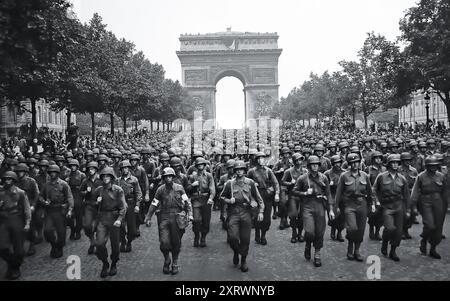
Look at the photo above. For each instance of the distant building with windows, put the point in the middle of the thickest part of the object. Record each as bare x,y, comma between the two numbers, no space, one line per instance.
416,112
12,119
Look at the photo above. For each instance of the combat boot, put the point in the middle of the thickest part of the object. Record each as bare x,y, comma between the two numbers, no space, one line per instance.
166,267
258,236
14,273
72,235
113,270
123,247
31,250
333,233
196,239
105,267
339,237
423,246
244,267
300,237
308,251
236,258
377,234
263,238
433,253
91,249
128,247
77,236
294,236
203,240
175,266
356,254
384,247
317,260
393,255
372,233
350,255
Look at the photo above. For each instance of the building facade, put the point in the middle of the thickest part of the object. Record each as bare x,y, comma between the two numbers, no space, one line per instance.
12,119
416,112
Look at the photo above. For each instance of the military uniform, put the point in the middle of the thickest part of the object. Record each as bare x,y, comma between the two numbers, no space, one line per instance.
87,191
75,180
338,223
375,220
410,173
279,170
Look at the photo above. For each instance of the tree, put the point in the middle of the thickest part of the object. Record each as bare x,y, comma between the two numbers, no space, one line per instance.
426,30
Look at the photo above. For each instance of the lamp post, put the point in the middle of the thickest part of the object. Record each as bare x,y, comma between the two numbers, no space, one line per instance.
427,108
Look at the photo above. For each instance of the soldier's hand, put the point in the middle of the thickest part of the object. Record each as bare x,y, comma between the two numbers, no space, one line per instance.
277,198
89,189
232,200
191,218
148,222
117,223
99,199
408,215
69,214
152,186
332,216
147,198
260,217
27,227
293,182
338,211
281,170
195,184
373,208
32,209
136,209
210,202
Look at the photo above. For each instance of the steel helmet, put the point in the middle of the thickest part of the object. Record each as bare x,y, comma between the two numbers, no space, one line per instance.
405,156
431,160
200,161
313,160
354,149
59,158
135,157
22,167
239,165
146,150
10,175
297,157
261,155
336,159
175,161
43,163
413,143
383,145
74,162
164,157
297,148
124,163
394,158
343,145
92,164
32,161
319,147
431,141
440,158
108,171
89,153
230,163
252,151
102,157
306,150
285,150
53,168
168,171
197,154
353,158
376,154
332,144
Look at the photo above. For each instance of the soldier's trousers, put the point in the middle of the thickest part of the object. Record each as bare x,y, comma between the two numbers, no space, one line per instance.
239,229
202,218
128,228
314,222
106,230
268,199
295,212
12,234
37,224
55,227
355,220
433,220
393,216
76,221
283,205
376,218
90,220
339,222
169,233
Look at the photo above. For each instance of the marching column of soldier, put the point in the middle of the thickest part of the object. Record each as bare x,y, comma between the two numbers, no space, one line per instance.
110,191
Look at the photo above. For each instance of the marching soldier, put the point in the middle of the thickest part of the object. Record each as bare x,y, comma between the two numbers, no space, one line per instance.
325,163
65,171
333,175
410,173
314,188
280,167
139,172
30,187
87,191
57,199
241,196
222,181
15,218
375,220
428,195
393,194
111,212
354,189
202,197
417,161
269,189
295,205
74,180
173,205
133,197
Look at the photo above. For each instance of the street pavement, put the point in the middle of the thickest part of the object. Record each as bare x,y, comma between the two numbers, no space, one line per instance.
278,260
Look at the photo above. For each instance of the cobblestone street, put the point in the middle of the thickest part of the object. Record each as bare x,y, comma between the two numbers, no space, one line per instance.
279,260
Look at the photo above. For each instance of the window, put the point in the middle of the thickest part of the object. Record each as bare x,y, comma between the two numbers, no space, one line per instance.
50,119
39,114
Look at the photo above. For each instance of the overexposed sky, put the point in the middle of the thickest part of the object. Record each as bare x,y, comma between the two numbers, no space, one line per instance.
314,34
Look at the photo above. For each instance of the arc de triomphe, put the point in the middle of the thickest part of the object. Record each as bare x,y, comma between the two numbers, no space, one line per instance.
250,57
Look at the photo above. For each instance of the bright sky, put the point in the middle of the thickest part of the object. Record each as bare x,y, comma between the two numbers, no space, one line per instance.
315,35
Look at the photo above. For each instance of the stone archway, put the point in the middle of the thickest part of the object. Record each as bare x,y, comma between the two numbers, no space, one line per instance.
250,57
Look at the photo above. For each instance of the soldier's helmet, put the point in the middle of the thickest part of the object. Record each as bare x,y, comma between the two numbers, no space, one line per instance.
405,156
124,163
260,155
332,144
297,157
175,161
353,158
164,157
102,157
336,159
89,153
284,150
313,160
319,147
43,163
394,158
108,171
306,150
22,167
146,151
343,145
252,151
74,162
431,160
10,175
197,154
92,164
431,141
200,161
239,165
32,161
412,143
376,154
422,144
440,158
230,163
383,145
168,171
53,168
59,158
135,157
171,152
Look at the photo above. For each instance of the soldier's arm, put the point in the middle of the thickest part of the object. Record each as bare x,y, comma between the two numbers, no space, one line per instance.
339,190
212,187
138,192
297,191
226,192
35,193
122,205
83,188
370,194
257,197
43,194
330,199
406,195
415,194
274,181
26,207
69,196
286,180
376,188
145,189
154,205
